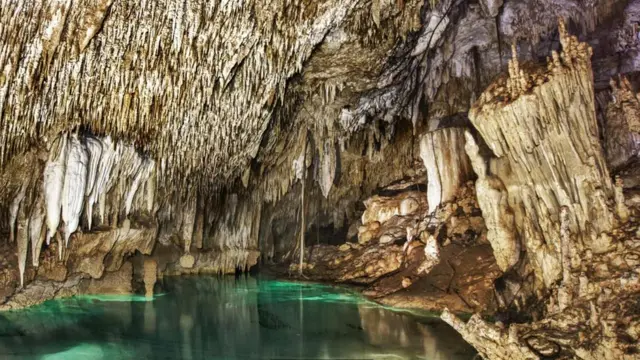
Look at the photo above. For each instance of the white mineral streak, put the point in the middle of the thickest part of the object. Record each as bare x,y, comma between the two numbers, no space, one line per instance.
53,182
431,33
498,217
143,173
442,152
14,208
36,222
75,182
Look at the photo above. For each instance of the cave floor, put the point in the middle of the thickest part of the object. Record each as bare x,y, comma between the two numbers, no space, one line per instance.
243,317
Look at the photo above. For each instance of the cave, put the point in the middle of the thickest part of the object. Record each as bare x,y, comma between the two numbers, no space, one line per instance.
335,179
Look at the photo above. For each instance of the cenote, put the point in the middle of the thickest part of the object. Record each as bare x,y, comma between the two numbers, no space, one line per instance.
228,317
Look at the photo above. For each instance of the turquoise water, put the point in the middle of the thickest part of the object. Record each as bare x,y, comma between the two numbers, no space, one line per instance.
226,318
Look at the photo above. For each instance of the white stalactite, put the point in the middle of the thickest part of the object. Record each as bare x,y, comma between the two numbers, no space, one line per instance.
327,167
105,168
442,152
22,235
53,182
141,176
94,147
75,182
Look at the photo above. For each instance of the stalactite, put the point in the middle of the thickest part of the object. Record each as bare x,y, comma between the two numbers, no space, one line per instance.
75,182
53,183
22,237
105,168
141,177
36,222
327,166
442,152
14,209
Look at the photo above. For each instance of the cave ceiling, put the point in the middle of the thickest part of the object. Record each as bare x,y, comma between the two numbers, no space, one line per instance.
211,88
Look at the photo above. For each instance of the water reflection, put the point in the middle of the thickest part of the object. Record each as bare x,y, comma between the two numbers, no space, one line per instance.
225,318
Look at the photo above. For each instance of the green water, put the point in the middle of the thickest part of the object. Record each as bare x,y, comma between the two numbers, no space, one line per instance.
226,318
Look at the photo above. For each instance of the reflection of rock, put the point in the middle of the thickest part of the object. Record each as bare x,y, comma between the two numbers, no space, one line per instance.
389,329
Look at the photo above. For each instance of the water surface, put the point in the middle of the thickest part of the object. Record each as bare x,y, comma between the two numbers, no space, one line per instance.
226,318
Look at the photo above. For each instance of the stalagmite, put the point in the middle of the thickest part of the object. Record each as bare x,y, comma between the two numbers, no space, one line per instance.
150,276
442,152
621,208
188,220
36,222
431,254
54,172
75,182
498,217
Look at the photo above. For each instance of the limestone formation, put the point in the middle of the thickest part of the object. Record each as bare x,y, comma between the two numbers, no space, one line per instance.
53,183
442,152
73,189
558,186
547,152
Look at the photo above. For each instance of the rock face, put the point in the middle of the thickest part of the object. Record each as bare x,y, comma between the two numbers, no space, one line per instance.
94,264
